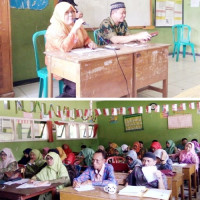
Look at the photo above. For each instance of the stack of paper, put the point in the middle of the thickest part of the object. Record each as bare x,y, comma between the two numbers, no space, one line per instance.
84,188
133,190
157,193
33,185
149,173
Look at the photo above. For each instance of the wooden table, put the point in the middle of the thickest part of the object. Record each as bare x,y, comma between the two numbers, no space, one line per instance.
97,194
188,171
98,74
11,192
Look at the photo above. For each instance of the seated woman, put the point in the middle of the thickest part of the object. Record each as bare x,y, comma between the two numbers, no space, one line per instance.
155,145
45,151
170,147
61,153
189,155
8,163
118,152
163,161
66,149
111,149
26,158
125,148
64,35
35,164
132,161
54,172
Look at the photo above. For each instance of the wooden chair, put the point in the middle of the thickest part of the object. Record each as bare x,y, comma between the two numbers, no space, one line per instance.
118,163
115,159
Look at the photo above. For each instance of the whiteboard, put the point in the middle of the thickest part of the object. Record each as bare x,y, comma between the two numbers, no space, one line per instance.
138,12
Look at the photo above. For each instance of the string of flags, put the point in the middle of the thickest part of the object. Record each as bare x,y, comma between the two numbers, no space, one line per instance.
92,114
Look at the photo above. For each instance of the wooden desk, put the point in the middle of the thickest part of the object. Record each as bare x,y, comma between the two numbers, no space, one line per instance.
97,194
121,177
97,74
188,171
11,192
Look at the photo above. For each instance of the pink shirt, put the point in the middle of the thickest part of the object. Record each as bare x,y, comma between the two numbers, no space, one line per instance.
99,174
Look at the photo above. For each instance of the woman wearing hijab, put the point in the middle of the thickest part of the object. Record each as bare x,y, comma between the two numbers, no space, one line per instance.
45,151
137,148
8,162
66,149
196,146
54,172
26,158
112,148
61,153
125,148
189,155
155,146
118,151
132,161
64,34
35,164
162,160
170,147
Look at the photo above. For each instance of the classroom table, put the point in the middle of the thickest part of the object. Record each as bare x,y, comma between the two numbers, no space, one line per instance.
98,74
188,171
11,192
97,194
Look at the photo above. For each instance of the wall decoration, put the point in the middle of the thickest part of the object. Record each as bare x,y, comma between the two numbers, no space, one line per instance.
6,105
113,119
29,4
133,122
180,121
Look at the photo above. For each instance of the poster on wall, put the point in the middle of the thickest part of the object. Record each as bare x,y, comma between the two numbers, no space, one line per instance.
168,13
133,122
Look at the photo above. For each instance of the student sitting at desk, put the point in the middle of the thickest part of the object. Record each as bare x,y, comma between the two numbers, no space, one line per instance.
54,172
137,178
114,29
61,153
170,147
155,145
35,164
64,35
182,145
100,174
8,162
26,158
132,161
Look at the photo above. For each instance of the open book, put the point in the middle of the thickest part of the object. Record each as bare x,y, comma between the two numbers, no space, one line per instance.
133,191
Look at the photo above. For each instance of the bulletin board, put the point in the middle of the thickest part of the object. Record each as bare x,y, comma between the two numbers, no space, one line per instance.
169,12
138,13
133,122
180,121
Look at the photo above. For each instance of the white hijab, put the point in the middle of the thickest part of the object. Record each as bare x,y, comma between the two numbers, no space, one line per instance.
9,159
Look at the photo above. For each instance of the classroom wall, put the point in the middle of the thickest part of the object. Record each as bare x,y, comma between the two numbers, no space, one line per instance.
18,147
155,127
25,22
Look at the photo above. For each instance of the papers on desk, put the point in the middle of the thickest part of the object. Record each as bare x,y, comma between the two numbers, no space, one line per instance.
135,45
84,188
157,193
149,173
24,180
133,190
32,185
178,168
81,51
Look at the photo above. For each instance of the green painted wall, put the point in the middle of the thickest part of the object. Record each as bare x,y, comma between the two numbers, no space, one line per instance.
155,127
25,22
18,147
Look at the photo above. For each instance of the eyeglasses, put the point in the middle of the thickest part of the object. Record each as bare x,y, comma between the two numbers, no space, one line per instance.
49,158
3,154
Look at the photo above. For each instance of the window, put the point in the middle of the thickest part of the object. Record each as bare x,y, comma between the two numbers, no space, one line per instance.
17,129
75,130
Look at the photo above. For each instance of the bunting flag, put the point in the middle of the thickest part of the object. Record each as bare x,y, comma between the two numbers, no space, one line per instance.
62,115
43,108
166,108
106,111
72,113
198,105
183,106
97,111
157,108
192,106
123,111
86,113
58,111
79,113
140,109
148,109
174,107
51,114
131,110
114,111
68,113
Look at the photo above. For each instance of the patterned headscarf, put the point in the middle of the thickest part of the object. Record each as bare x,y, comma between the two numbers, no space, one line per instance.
137,145
9,158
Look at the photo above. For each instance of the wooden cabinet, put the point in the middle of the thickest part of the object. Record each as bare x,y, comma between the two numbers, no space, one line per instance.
6,76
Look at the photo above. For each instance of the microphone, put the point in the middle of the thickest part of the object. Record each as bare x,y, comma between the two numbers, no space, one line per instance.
84,23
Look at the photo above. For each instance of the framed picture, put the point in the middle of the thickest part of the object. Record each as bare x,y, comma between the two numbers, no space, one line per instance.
133,122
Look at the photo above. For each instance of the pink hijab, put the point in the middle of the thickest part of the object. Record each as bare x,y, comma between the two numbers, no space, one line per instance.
9,159
189,157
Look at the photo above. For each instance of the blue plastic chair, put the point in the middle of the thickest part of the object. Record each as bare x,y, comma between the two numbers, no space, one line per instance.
42,72
181,37
97,38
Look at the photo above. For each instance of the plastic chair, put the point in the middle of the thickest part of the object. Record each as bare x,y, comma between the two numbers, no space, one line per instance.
181,37
97,37
42,72
115,159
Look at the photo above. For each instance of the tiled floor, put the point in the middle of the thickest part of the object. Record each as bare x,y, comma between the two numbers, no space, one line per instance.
182,75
